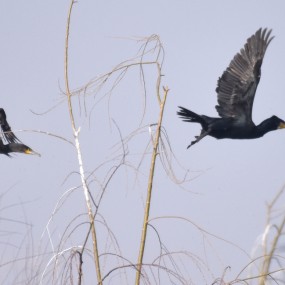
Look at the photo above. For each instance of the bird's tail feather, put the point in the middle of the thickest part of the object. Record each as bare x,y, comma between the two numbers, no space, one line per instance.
189,116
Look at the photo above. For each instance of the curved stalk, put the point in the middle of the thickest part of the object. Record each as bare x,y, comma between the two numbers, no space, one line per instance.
79,155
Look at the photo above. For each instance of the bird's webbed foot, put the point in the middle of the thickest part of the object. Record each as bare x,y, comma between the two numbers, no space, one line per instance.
198,138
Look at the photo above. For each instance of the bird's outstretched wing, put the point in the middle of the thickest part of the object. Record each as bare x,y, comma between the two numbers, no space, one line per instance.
8,134
237,86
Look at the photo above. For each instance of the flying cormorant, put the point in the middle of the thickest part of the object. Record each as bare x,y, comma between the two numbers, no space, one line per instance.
13,143
236,90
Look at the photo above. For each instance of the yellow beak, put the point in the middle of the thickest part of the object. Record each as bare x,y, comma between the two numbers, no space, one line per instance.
29,151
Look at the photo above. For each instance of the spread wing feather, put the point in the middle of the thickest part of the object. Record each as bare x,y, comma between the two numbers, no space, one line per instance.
6,129
237,86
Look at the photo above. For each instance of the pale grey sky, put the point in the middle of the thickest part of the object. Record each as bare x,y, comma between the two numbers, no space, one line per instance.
233,179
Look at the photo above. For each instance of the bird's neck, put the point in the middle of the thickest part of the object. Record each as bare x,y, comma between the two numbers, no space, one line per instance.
10,147
264,127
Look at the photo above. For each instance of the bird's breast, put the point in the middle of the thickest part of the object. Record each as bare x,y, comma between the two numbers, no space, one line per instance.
223,129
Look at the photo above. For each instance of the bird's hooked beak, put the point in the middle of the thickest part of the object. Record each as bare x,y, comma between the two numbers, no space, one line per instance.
281,125
30,151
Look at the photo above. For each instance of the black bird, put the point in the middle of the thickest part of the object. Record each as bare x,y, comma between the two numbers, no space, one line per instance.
236,90
13,143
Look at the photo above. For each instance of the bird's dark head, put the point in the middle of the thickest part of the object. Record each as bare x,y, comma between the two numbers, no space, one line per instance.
22,148
277,123
28,150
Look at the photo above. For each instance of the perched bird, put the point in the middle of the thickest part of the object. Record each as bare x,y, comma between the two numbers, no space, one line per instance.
13,143
236,90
